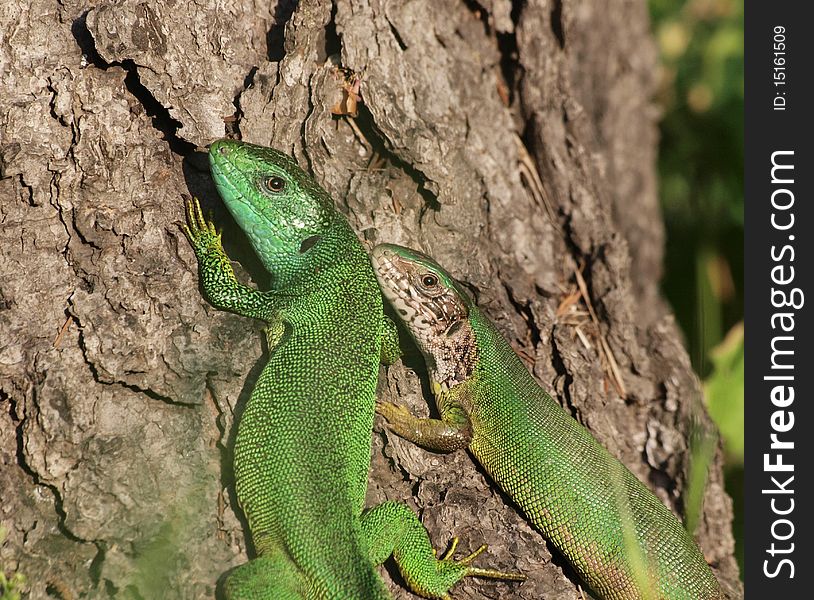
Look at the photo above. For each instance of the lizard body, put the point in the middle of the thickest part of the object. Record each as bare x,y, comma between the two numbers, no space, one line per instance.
621,540
302,450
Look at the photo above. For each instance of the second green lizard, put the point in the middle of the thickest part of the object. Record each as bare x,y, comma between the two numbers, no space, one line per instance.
621,540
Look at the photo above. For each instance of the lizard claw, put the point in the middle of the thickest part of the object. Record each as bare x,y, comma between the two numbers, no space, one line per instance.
476,571
392,412
452,546
470,557
200,231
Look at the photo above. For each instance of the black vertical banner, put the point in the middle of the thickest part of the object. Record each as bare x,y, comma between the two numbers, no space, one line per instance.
779,270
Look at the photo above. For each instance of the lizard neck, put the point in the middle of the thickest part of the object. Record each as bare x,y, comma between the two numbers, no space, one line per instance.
339,260
451,359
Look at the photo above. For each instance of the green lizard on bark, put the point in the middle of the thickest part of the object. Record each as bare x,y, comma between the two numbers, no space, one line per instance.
302,450
621,540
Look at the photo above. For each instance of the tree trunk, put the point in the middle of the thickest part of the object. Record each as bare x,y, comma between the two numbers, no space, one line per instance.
514,143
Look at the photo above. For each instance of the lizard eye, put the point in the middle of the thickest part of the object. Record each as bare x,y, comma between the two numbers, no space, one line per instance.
275,184
429,280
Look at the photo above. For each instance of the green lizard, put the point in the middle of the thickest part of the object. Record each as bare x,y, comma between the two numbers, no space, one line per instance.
621,540
302,449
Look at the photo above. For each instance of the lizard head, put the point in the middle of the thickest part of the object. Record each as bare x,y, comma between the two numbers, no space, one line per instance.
289,219
434,308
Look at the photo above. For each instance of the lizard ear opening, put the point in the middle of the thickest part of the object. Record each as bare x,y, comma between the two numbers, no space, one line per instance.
453,329
309,243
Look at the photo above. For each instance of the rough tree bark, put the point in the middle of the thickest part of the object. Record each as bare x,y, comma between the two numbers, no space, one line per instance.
118,382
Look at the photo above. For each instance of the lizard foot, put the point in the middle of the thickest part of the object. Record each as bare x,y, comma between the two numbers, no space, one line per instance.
201,233
476,571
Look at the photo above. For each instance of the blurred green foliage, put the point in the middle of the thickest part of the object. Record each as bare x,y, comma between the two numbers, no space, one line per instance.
724,392
11,587
701,172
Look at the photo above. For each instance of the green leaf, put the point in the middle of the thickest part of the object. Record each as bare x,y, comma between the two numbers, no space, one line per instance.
724,392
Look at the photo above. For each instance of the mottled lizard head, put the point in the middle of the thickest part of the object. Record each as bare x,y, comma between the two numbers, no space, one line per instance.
434,308
287,216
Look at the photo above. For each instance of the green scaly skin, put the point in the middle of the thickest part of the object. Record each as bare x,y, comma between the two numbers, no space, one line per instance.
302,450
621,540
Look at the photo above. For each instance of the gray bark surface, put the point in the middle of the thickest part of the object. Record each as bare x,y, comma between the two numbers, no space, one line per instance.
118,383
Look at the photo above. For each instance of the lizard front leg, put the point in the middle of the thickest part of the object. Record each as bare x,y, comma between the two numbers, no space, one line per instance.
217,278
453,431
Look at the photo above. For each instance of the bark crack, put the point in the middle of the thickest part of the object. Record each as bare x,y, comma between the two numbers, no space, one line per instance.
97,377
233,126
524,310
562,371
158,113
19,423
510,67
557,25
275,38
